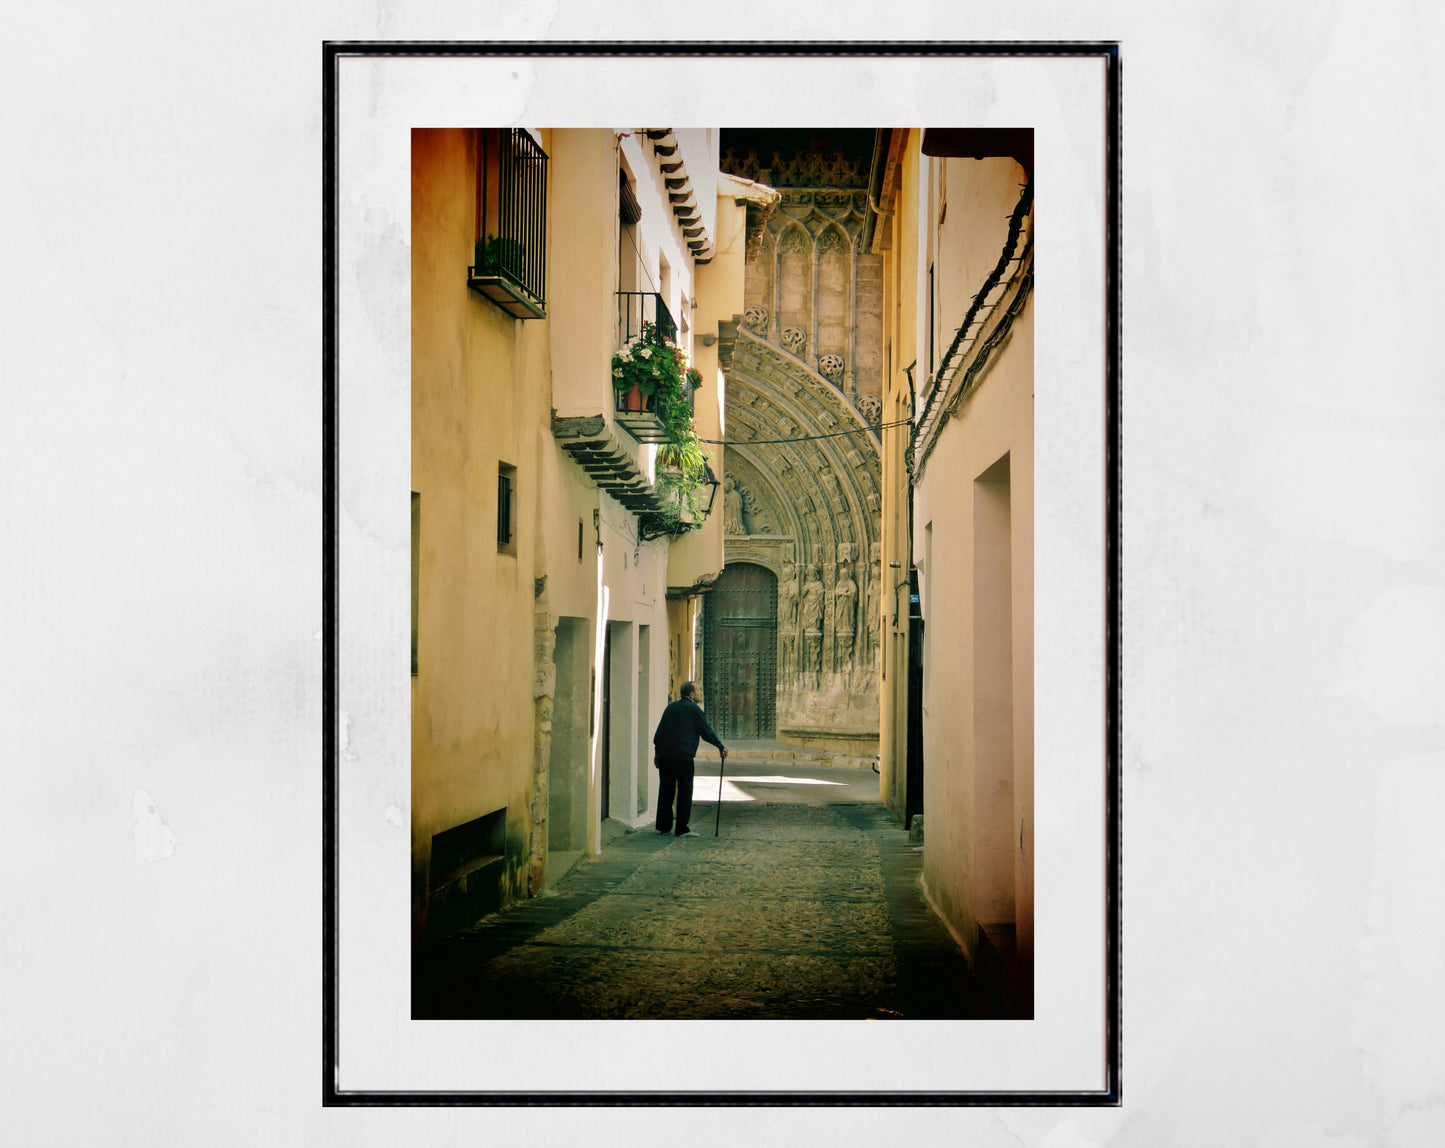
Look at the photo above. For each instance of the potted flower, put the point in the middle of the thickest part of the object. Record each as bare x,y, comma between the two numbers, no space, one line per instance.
648,364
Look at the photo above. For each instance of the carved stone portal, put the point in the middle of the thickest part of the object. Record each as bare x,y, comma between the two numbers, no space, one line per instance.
806,361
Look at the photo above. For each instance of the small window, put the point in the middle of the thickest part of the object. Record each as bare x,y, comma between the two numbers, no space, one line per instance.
506,509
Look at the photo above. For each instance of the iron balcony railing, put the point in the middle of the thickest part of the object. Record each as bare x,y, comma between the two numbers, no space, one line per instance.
637,413
511,248
634,308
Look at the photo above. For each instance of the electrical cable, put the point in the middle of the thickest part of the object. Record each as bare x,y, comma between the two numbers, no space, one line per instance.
804,438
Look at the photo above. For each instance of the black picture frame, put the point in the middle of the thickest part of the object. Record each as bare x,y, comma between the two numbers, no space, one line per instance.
334,55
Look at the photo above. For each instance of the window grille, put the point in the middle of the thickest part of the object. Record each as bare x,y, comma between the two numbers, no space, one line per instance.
510,257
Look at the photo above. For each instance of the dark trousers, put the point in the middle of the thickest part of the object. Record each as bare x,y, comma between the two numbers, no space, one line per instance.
676,777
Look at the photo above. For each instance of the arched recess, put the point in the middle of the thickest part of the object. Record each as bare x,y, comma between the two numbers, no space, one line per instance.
818,496
760,274
835,292
768,511
793,290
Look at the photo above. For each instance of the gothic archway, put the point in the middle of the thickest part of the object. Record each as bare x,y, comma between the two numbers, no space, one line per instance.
803,367
740,636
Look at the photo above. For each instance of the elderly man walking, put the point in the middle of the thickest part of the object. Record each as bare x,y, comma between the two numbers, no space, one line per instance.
675,745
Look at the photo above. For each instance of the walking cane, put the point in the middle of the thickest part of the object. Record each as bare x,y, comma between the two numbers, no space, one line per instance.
718,826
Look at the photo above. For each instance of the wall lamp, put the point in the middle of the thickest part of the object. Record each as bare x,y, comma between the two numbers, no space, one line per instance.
711,480
905,582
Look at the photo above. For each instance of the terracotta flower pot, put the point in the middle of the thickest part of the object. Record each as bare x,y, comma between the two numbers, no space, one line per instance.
635,401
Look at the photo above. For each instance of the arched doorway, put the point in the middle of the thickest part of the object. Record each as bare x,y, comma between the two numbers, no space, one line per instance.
740,636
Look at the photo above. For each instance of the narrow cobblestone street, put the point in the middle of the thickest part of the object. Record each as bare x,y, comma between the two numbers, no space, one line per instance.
806,905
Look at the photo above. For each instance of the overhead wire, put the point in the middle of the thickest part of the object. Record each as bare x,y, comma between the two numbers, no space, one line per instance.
803,438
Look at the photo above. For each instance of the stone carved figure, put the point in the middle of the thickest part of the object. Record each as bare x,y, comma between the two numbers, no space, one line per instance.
871,408
812,605
794,340
812,611
787,621
872,603
831,367
845,613
755,318
756,514
732,507
788,598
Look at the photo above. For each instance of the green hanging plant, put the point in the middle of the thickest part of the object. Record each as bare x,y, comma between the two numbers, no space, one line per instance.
681,469
658,368
496,253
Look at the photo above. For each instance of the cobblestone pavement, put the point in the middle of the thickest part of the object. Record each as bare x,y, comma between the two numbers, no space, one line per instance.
802,908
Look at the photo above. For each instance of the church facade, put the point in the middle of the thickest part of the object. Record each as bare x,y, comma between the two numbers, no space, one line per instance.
792,627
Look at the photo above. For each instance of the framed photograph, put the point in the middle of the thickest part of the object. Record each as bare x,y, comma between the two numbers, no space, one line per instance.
722,573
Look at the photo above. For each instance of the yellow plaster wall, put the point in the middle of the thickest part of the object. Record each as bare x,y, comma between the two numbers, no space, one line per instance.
698,556
484,390
582,279
479,390
634,575
960,865
900,312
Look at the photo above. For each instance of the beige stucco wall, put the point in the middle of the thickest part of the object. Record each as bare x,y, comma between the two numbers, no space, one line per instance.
978,856
484,389
900,309
697,558
480,390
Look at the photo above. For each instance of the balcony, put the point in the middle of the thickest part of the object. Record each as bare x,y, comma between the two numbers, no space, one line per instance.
637,308
643,313
510,258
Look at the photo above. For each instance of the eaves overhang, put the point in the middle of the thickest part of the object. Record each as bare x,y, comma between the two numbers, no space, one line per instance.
761,201
982,143
680,193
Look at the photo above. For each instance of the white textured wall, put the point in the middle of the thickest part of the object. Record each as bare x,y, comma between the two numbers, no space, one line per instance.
1284,761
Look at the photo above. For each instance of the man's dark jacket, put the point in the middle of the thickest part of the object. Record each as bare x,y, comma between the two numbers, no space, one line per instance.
679,729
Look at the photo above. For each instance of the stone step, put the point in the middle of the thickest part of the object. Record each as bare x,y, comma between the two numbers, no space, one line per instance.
744,753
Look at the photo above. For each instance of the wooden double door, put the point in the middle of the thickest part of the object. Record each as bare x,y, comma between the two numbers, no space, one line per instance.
740,642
